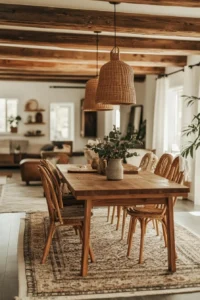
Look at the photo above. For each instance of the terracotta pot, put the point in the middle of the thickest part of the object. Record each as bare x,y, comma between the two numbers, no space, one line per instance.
114,170
95,163
102,166
13,129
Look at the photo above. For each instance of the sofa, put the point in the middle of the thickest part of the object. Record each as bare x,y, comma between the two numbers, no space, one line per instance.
29,167
29,170
11,157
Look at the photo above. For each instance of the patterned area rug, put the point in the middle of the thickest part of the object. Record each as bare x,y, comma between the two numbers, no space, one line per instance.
113,274
16,196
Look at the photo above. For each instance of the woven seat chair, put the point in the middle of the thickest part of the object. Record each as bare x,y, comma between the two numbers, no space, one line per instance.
66,198
69,216
146,214
148,163
163,165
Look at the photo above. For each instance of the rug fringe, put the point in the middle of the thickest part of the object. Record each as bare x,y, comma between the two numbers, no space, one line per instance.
116,296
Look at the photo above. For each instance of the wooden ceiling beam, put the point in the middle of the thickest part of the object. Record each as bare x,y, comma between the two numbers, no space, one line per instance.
81,57
88,42
64,68
184,3
27,76
89,20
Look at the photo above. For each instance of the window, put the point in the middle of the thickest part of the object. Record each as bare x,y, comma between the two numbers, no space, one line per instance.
8,108
174,119
61,121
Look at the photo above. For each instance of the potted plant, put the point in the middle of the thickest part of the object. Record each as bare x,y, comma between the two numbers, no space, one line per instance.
192,130
13,121
115,149
17,149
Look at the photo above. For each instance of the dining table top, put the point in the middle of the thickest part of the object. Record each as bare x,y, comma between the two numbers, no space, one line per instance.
143,183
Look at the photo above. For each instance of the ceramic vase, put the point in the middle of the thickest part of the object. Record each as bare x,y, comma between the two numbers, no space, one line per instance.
114,170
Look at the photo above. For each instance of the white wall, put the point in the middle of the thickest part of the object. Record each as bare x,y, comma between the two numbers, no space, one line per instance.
42,92
149,100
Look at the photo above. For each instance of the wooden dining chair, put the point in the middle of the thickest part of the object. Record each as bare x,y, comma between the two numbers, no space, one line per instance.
163,165
146,214
148,163
69,216
66,198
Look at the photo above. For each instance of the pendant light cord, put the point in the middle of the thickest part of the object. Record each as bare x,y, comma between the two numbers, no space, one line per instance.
97,55
97,52
115,31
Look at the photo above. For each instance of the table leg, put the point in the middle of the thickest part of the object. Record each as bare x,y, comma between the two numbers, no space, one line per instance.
86,237
170,235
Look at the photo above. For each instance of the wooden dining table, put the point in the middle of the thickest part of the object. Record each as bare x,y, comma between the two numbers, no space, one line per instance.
142,188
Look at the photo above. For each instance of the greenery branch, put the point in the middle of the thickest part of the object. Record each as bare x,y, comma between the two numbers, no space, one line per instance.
192,130
115,146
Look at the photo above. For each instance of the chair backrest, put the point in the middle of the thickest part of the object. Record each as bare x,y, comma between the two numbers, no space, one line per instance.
55,179
59,157
50,194
164,164
174,173
148,162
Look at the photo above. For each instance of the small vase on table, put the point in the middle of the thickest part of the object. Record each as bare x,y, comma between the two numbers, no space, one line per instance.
114,170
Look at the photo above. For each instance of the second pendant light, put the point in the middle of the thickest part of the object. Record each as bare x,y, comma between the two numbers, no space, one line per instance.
91,89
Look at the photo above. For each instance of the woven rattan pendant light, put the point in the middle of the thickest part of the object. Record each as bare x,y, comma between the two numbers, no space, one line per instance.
91,89
116,79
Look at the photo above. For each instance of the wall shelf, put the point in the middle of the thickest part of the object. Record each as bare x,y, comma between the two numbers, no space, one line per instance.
34,110
34,135
35,123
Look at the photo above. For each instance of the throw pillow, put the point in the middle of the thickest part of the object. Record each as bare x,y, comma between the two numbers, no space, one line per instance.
47,147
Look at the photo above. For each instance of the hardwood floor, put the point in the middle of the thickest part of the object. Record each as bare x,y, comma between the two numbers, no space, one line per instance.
186,215
9,228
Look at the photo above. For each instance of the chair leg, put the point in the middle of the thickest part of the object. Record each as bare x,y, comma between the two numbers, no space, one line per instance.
76,230
129,229
146,222
119,209
153,223
113,214
91,254
164,232
108,216
52,228
157,228
130,239
142,240
124,221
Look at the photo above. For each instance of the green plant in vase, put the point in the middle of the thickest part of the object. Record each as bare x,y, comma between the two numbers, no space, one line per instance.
115,149
14,121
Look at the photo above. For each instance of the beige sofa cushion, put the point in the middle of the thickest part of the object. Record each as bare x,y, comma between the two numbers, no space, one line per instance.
5,146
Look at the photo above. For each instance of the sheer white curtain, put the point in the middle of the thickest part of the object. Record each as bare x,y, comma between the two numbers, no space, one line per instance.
160,132
191,88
